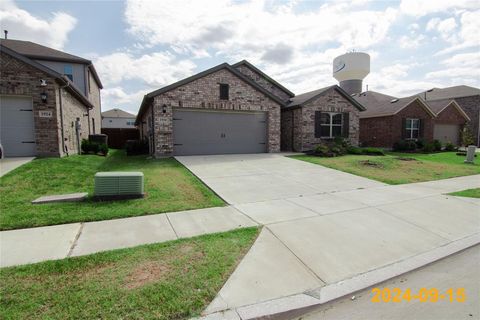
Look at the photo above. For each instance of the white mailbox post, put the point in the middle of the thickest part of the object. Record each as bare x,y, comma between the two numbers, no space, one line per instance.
470,154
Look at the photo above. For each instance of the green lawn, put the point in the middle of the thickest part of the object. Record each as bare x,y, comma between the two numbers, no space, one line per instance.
169,186
399,168
171,280
471,193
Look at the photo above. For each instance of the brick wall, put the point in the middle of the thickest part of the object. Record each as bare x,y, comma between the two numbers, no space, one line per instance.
18,78
203,93
385,131
471,106
263,82
450,115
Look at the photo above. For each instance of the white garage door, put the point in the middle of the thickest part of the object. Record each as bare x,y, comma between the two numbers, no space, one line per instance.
217,132
17,129
447,133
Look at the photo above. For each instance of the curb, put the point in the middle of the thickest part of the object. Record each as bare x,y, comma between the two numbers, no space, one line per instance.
296,305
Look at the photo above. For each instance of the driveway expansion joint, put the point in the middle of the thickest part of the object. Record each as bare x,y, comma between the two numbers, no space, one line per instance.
75,240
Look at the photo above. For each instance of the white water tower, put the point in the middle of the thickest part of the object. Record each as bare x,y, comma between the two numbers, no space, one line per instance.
350,69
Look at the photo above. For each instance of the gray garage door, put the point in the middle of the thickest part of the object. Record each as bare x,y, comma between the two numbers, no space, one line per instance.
17,129
447,133
204,132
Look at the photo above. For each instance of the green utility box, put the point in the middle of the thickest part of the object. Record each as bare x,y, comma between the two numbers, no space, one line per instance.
118,185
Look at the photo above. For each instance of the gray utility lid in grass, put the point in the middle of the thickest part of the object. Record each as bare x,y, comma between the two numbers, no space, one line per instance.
71,197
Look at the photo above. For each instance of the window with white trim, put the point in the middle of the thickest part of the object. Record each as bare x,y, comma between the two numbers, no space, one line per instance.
331,124
68,71
412,128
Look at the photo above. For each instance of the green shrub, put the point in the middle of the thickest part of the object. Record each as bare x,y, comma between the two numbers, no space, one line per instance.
467,137
103,149
85,146
429,147
354,150
373,152
136,147
437,145
450,147
420,143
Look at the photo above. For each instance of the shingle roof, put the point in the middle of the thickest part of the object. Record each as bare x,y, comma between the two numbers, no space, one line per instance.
380,105
450,92
117,113
202,74
304,98
69,85
251,66
36,51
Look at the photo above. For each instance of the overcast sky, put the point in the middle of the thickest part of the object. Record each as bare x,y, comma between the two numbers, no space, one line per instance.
139,46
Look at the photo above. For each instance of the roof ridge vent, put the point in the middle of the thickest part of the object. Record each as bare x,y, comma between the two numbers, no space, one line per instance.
394,100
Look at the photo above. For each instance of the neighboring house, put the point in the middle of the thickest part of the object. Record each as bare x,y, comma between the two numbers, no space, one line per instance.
387,119
225,109
118,119
319,116
49,100
468,98
119,126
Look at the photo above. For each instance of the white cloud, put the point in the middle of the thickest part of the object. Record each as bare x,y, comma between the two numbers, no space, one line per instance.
468,35
116,97
156,69
407,42
24,26
421,8
250,28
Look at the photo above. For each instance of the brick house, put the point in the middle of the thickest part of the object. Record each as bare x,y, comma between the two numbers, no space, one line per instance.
313,117
49,100
387,119
225,109
466,97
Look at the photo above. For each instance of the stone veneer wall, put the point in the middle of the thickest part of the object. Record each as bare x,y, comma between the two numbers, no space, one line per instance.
330,101
21,79
203,93
263,82
471,106
73,109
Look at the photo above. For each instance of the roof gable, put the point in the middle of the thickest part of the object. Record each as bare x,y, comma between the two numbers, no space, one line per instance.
117,113
267,77
305,98
439,106
148,97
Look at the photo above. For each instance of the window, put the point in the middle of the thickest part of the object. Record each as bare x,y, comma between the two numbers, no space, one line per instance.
330,124
110,121
93,125
130,123
68,71
412,128
224,88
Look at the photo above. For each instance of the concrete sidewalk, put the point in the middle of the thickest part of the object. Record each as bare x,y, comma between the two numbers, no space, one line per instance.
57,242
9,164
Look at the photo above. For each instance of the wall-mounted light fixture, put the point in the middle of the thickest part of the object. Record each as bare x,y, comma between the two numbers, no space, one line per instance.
43,82
164,108
44,97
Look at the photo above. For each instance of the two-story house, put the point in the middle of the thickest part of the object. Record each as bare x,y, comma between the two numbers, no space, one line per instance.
49,100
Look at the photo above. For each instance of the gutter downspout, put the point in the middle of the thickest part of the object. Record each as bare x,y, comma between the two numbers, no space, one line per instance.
64,147
153,131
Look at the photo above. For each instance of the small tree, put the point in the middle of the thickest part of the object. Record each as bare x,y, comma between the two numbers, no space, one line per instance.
467,137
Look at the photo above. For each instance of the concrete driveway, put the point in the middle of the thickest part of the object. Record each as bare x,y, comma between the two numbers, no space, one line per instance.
9,164
326,232
260,177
